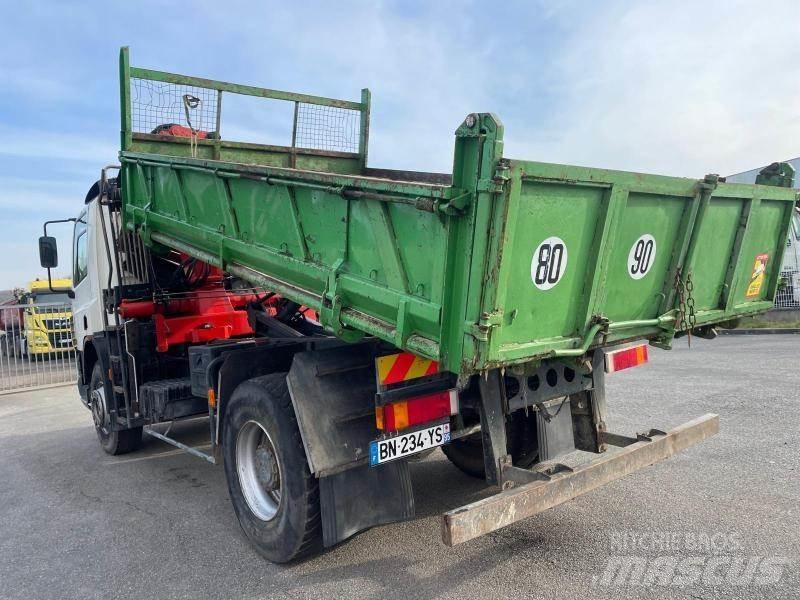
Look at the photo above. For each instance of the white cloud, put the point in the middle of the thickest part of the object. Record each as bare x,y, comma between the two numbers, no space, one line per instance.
25,265
51,144
32,83
675,87
425,77
26,204
41,196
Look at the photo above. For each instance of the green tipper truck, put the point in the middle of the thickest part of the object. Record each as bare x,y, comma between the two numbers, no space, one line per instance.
333,320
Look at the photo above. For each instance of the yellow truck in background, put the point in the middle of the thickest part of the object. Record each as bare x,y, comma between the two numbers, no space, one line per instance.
47,319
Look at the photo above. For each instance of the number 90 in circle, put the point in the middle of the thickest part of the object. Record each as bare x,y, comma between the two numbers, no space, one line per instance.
642,256
549,263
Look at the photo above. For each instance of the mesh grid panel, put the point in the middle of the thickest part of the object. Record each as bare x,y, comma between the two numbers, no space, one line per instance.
327,128
155,103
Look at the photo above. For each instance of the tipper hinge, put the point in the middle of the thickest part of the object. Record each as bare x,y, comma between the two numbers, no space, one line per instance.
456,206
480,330
330,310
497,183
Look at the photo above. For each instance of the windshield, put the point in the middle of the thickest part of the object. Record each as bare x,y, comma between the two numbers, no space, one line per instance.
50,298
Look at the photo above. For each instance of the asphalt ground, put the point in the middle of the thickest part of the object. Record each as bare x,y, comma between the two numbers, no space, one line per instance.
76,523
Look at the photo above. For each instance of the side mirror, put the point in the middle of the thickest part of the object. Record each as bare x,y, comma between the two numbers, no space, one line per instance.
48,252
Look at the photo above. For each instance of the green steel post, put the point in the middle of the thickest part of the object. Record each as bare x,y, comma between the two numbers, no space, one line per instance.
739,262
125,98
363,137
614,203
218,127
683,256
479,147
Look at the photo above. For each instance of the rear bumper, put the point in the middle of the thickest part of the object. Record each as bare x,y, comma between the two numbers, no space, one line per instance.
551,484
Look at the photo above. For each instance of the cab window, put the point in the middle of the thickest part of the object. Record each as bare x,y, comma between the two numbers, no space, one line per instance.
80,255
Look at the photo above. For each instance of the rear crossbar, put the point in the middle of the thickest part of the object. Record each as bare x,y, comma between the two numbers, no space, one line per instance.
546,491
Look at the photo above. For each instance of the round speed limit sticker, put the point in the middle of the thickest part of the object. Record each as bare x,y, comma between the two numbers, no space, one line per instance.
549,263
642,256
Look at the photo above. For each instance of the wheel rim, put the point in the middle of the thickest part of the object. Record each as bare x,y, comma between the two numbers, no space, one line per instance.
99,410
259,470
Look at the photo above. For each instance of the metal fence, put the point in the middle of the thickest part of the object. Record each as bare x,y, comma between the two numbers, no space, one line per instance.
36,346
788,296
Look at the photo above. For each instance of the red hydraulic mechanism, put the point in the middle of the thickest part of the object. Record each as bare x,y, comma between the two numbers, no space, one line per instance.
207,312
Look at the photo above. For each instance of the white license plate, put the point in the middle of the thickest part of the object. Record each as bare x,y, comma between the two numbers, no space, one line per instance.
381,451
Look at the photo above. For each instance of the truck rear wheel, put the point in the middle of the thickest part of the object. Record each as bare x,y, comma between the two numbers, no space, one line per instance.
274,494
521,440
112,442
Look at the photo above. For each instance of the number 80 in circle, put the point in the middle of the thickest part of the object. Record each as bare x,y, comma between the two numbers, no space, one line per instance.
549,263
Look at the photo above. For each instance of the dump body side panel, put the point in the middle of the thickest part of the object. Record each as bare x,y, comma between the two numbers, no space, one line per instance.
615,246
383,257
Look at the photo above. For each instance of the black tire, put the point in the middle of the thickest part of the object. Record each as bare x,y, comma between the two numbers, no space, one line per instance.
112,442
521,440
295,528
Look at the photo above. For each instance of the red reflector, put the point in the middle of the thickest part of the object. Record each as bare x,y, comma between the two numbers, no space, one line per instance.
422,409
625,359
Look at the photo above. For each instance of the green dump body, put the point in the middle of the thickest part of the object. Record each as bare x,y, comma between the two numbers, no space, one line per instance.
502,263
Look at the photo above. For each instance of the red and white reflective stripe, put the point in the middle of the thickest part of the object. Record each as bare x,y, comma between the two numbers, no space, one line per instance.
618,360
404,366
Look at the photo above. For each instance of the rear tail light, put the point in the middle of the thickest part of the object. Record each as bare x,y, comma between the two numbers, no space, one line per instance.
625,359
414,411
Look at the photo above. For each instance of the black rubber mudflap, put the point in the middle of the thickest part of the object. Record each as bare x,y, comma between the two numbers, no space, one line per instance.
333,393
554,429
364,497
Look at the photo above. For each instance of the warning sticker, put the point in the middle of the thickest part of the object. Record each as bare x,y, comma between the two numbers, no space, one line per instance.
549,263
758,276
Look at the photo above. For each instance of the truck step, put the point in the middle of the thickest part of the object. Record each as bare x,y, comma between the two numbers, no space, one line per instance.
167,399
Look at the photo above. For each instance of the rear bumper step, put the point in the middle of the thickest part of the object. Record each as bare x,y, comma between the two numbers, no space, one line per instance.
551,485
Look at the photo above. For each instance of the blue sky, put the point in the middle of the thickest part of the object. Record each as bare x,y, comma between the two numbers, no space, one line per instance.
680,88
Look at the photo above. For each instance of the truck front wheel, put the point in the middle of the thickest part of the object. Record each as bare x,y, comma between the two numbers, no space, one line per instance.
274,494
113,442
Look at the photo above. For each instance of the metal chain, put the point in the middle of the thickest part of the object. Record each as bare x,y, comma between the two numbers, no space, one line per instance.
686,318
680,289
690,302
